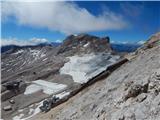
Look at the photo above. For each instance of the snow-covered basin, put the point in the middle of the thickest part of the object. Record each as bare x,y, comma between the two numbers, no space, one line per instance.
45,86
84,67
32,112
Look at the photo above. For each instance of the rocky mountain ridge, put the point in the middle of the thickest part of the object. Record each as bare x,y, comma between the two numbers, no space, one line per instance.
85,43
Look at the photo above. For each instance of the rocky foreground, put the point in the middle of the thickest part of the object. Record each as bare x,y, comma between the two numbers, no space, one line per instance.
132,92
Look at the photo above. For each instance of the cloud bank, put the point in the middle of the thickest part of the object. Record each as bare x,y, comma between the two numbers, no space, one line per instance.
13,41
65,17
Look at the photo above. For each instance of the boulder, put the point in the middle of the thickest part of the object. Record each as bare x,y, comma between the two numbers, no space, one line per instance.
7,108
141,97
157,74
48,104
12,101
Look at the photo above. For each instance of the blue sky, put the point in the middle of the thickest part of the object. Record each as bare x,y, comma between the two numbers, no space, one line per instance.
121,21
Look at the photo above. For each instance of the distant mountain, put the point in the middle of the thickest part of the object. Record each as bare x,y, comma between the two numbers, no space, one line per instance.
125,47
56,44
14,47
8,47
82,40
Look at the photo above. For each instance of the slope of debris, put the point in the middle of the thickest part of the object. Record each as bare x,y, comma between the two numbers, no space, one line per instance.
132,92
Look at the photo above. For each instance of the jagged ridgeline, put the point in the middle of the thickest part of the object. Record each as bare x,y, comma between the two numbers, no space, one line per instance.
85,43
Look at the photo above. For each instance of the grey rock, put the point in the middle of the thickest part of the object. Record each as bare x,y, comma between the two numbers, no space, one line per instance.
7,108
134,91
141,97
12,101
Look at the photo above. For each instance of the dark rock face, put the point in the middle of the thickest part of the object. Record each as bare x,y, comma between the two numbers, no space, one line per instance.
84,43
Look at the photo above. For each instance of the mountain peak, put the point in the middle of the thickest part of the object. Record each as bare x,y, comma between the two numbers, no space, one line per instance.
85,43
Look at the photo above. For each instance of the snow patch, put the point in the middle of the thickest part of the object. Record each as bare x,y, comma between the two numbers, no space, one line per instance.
34,112
45,86
63,94
18,52
86,45
45,59
83,68
31,110
43,55
21,110
18,117
32,89
35,53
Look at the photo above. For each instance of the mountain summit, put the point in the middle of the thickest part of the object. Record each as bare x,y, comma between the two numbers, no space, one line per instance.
85,43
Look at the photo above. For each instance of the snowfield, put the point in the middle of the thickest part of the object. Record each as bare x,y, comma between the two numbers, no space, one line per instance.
83,68
63,94
18,52
45,86
32,112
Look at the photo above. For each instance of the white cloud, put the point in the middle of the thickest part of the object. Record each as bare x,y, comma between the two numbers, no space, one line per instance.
65,17
58,41
124,42
112,41
14,41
